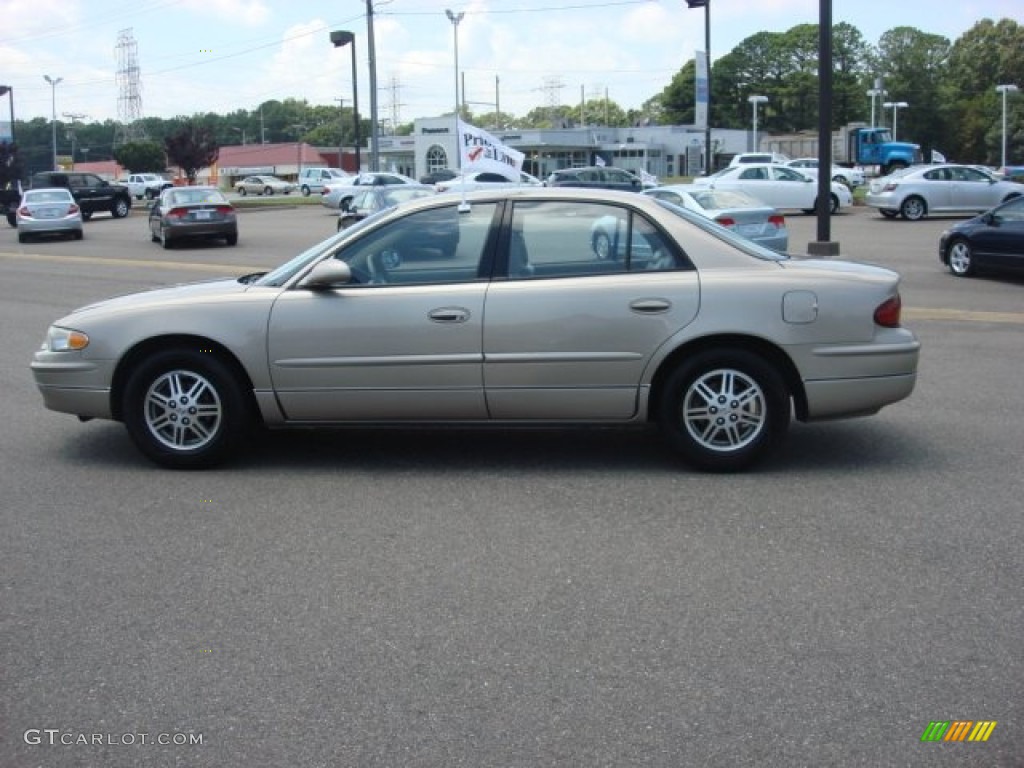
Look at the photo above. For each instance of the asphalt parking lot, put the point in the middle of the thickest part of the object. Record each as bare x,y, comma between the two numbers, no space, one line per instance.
463,598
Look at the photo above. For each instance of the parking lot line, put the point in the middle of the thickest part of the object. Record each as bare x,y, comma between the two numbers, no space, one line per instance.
220,269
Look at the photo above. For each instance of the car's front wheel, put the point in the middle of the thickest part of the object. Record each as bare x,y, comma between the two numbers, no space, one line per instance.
242,191
268,191
913,208
961,258
185,409
724,409
305,191
121,208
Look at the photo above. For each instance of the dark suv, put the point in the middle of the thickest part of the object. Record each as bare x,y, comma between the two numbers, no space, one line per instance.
92,193
596,177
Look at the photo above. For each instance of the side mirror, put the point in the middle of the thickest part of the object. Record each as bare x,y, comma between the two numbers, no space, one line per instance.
329,273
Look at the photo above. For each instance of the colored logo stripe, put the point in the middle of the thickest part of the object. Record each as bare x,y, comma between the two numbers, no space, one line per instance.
958,730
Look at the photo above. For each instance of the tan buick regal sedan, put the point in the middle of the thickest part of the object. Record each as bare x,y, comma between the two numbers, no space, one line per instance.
496,310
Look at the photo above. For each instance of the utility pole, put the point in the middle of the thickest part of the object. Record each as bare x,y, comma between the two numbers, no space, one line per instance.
374,148
341,129
72,116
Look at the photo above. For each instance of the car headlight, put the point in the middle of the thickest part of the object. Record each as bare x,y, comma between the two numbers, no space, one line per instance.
64,339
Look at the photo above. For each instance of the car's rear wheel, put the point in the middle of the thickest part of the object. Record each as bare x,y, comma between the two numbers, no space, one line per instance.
305,191
913,208
232,239
122,206
185,409
724,409
961,258
602,245
268,191
165,241
242,192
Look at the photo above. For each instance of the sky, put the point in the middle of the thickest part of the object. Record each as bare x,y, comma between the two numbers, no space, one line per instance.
221,55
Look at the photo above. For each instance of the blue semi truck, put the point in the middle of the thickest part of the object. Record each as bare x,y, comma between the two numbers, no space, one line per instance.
853,144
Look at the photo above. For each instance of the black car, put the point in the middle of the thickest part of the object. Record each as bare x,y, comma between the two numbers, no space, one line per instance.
93,194
992,241
596,177
444,174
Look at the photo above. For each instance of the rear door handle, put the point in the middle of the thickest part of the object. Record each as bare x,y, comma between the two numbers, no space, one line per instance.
449,315
650,306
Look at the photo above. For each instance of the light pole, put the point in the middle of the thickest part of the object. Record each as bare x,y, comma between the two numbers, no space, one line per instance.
706,5
755,100
872,93
1005,89
9,90
53,90
455,18
895,105
341,38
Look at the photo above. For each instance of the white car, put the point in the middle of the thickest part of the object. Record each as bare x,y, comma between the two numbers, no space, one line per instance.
335,192
915,192
851,177
470,182
746,158
777,185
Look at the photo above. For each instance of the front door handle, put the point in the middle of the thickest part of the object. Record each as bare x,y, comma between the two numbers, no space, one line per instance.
449,315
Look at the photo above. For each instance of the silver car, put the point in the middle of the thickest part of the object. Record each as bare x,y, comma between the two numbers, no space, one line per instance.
48,212
495,311
264,185
915,192
731,208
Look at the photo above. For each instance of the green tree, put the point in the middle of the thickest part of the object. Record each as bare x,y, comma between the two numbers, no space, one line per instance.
191,148
141,157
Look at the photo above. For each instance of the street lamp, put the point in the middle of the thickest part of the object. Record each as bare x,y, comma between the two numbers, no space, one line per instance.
455,18
895,105
341,38
755,100
1005,89
706,5
53,89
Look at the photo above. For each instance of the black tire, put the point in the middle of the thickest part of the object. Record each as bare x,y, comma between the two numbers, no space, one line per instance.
724,409
201,424
888,214
305,191
151,194
12,219
268,191
122,207
833,205
242,192
961,258
86,215
913,208
232,239
79,234
22,237
165,241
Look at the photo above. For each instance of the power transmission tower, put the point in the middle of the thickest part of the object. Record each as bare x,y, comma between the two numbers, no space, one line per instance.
396,104
129,87
553,89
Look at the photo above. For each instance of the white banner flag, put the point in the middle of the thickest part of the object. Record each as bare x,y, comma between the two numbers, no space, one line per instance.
599,161
480,151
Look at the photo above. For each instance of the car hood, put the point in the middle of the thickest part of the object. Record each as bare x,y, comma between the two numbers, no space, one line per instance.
185,293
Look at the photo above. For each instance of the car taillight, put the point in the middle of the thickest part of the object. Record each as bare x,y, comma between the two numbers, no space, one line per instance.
25,212
891,186
72,209
225,209
887,314
725,221
176,213
777,220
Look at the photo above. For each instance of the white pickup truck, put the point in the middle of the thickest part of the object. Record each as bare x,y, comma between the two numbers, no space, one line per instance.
146,185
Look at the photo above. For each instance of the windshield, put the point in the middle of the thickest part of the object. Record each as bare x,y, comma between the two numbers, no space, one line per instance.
747,246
